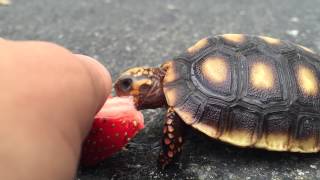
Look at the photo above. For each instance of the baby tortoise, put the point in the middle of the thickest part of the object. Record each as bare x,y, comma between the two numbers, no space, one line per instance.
249,91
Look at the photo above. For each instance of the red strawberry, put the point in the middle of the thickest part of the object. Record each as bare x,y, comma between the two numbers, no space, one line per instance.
115,124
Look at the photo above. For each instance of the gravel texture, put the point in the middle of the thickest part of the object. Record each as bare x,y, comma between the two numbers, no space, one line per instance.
126,33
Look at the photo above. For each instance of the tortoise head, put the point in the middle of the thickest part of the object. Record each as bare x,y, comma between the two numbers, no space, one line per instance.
144,84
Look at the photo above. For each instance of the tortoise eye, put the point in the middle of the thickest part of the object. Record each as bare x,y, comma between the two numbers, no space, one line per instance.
126,84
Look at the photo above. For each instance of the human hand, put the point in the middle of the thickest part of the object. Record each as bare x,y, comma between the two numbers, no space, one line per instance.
48,98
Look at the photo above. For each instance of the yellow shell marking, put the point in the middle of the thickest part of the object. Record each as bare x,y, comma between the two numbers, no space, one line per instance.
215,69
185,115
207,128
274,142
236,38
239,138
307,80
281,142
270,40
307,49
199,45
261,76
304,145
171,96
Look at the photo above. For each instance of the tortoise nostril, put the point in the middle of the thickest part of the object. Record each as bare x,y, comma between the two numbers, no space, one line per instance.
126,84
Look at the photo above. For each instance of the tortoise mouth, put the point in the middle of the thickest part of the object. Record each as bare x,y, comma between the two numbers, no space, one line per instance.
120,93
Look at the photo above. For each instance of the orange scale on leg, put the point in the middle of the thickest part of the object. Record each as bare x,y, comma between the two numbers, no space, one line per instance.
167,141
170,135
165,129
170,154
170,128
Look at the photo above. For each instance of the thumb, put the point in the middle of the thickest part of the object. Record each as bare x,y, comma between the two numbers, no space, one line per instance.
100,78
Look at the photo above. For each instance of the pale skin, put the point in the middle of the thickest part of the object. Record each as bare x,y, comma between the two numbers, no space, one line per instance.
48,98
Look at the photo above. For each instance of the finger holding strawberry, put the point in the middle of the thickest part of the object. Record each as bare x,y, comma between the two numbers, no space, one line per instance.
114,125
48,100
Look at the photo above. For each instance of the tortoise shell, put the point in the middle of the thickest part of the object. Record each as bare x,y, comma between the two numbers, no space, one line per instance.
250,91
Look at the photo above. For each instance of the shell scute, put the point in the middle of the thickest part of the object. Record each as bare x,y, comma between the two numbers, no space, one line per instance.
249,91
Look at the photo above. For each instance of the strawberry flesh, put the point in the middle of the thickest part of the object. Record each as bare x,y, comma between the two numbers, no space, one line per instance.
114,125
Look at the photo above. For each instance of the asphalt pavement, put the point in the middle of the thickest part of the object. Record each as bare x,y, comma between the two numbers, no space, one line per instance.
127,33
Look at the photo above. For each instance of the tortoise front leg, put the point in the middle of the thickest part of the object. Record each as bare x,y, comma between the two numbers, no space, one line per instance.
172,138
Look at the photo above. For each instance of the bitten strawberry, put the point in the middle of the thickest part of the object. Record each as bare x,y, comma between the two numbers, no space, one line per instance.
115,124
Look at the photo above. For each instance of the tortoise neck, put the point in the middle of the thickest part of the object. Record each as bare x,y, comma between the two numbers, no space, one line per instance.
155,97
160,72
